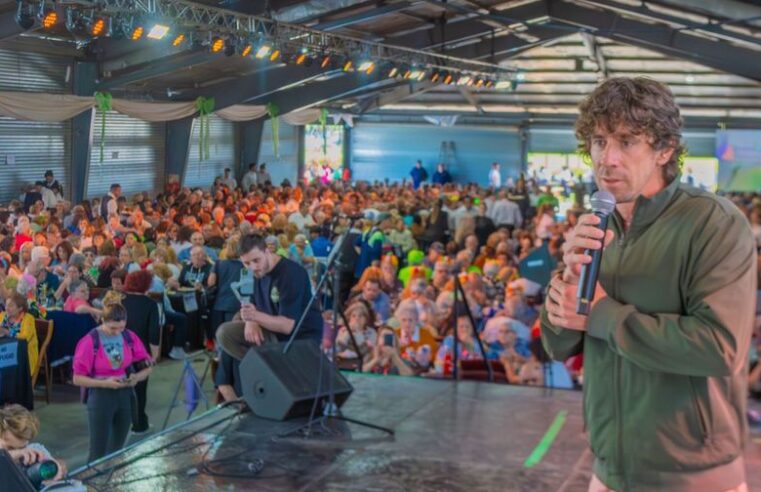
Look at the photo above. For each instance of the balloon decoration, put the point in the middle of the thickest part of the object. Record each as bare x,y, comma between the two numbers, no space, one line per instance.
104,102
274,112
205,106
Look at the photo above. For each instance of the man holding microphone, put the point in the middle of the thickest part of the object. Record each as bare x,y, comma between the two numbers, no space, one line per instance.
281,294
667,337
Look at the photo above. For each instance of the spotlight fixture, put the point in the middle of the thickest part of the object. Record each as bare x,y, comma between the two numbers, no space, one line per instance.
49,18
480,82
275,55
489,84
217,44
247,49
264,51
348,65
325,61
158,31
368,67
137,33
415,74
464,80
393,72
301,58
178,40
24,17
97,27
435,76
448,79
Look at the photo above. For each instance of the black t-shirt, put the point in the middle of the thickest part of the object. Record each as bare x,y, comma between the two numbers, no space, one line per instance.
286,291
228,271
190,275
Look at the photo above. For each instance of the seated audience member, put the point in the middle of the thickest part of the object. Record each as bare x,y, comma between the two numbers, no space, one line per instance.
196,273
16,322
361,324
109,362
416,342
386,357
18,426
79,300
378,300
467,346
300,251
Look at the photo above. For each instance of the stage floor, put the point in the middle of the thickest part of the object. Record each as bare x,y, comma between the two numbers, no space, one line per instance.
467,436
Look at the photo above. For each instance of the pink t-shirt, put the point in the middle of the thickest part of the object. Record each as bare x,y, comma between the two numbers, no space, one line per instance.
83,358
72,303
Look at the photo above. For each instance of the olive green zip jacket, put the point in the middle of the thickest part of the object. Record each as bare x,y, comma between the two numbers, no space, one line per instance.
666,354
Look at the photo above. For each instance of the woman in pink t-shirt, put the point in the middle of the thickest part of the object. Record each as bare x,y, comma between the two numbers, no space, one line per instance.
109,362
78,300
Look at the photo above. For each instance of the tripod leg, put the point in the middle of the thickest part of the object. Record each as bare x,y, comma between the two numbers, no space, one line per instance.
174,398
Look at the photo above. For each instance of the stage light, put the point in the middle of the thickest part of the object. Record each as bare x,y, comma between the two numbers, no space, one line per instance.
217,44
263,51
435,76
24,18
407,73
479,82
247,49
178,40
448,79
489,84
348,65
97,27
325,61
158,31
393,72
49,19
415,75
275,55
301,58
137,33
463,80
368,67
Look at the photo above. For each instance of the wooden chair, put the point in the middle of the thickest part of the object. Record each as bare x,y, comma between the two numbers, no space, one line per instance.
44,329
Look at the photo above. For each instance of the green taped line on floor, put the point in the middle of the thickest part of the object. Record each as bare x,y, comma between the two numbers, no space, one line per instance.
549,437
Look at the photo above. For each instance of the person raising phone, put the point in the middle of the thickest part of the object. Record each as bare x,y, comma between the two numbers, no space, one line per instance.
281,294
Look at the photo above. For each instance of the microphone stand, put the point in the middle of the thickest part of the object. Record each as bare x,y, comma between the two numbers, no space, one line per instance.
330,409
458,288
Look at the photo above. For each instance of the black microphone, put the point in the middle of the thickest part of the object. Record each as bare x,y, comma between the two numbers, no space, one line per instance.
603,203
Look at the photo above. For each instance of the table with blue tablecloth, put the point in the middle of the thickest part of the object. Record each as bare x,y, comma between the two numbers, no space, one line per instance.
68,329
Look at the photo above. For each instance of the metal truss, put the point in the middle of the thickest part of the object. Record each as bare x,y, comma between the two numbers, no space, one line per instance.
192,17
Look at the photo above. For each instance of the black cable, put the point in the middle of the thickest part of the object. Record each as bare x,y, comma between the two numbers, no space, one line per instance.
160,448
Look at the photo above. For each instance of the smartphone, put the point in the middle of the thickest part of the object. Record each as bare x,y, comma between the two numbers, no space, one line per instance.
388,339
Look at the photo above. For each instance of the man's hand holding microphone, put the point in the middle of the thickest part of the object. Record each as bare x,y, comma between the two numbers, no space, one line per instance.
572,294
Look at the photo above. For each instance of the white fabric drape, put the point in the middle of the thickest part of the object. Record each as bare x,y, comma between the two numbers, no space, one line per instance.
155,111
445,121
241,112
347,118
303,117
43,107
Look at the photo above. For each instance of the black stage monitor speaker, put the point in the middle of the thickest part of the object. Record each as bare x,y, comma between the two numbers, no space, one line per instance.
13,477
284,386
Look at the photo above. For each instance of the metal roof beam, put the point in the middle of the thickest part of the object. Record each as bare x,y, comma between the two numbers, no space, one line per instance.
397,95
509,46
595,54
661,38
365,16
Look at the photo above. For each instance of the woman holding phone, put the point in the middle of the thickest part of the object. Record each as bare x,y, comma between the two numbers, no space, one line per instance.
109,362
386,358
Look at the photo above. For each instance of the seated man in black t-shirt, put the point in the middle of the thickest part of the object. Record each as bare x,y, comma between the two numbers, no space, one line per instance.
281,293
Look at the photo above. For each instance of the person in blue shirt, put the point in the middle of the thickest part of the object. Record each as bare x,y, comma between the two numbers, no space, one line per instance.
321,245
369,245
441,176
418,174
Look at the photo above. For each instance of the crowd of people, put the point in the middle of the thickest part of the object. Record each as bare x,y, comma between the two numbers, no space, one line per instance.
420,266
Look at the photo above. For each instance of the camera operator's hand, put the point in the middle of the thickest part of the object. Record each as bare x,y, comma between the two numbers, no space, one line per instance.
27,456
